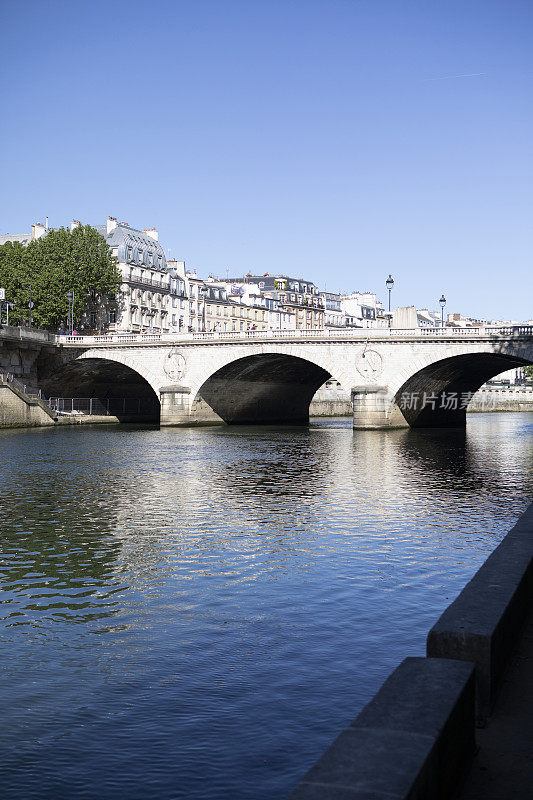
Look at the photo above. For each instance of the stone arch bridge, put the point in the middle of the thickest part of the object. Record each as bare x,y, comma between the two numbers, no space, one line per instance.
420,377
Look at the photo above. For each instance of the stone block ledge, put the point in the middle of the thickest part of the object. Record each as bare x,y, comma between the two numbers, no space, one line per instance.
415,739
484,624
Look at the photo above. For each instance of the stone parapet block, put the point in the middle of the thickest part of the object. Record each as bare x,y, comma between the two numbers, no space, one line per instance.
484,623
414,740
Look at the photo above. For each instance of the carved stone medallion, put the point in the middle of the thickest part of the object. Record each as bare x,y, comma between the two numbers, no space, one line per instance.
175,365
369,364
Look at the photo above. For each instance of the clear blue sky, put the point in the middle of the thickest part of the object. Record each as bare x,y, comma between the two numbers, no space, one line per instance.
336,140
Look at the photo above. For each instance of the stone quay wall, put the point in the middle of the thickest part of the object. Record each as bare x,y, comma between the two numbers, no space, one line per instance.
518,398
331,401
416,738
19,410
335,401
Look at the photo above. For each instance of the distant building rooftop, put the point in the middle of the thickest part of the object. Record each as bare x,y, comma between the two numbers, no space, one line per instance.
23,238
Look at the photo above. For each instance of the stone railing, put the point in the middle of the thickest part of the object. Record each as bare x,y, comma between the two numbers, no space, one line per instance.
306,335
8,377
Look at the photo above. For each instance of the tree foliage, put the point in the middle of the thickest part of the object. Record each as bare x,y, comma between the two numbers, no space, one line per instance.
63,260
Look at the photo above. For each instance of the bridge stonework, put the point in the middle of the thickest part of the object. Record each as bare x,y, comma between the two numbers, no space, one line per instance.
397,378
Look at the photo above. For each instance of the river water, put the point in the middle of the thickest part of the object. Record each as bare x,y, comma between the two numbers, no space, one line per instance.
197,613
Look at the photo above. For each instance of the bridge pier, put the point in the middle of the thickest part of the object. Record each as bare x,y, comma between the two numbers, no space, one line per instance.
179,409
374,409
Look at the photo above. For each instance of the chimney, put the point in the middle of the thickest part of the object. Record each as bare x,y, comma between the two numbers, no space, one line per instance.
37,230
152,233
75,224
111,224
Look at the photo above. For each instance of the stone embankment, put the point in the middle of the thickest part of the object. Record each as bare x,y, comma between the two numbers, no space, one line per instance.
334,401
18,409
331,401
519,398
417,737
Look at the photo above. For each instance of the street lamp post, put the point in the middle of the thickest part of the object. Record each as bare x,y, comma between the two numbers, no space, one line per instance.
389,283
205,292
442,302
70,320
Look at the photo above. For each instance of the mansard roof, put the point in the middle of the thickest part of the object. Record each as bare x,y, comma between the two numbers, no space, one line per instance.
135,246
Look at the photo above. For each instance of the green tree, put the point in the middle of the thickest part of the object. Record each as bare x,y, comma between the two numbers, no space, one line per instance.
63,260
11,275
528,372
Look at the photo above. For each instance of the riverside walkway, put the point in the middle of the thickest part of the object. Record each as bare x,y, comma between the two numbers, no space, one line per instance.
503,766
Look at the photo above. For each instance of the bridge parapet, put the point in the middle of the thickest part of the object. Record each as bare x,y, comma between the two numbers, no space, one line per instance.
13,333
314,334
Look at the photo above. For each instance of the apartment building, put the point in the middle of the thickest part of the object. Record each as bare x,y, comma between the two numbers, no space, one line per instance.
293,295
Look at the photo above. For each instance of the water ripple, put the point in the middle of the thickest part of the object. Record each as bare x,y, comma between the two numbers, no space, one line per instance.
196,613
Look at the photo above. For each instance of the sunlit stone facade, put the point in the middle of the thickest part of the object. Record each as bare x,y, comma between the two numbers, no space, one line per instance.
152,297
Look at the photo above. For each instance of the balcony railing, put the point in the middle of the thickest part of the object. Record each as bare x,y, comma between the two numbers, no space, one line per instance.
147,282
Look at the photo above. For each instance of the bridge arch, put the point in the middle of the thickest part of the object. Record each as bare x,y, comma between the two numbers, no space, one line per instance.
266,388
126,359
438,394
93,374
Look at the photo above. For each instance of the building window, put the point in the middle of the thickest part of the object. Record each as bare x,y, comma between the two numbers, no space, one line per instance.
112,317
92,319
